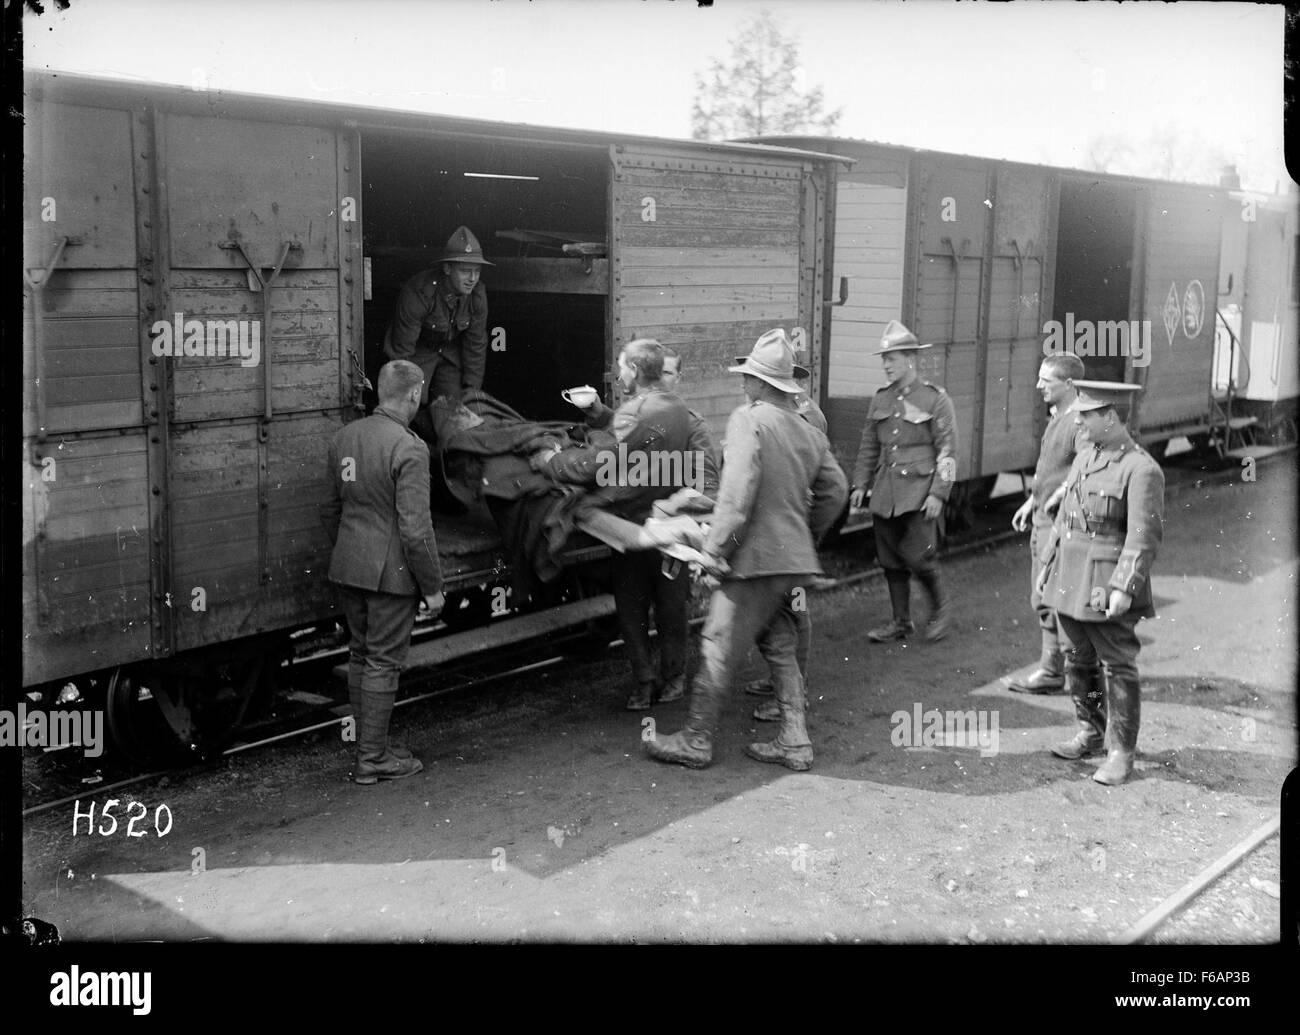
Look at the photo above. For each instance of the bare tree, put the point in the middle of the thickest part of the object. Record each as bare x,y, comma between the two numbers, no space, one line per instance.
1165,153
756,91
1106,150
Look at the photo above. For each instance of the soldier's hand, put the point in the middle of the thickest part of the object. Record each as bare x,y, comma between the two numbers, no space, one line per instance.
856,498
1120,602
433,603
1020,519
932,508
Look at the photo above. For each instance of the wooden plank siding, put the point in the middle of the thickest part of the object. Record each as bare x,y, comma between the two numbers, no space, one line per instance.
85,579
870,239
215,479
720,263
165,475
1182,247
85,516
244,493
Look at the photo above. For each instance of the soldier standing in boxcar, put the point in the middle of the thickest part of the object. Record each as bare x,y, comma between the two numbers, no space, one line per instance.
384,559
907,464
1097,575
440,324
1062,441
763,541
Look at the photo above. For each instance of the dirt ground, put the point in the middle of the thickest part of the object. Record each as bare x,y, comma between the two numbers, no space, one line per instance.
538,817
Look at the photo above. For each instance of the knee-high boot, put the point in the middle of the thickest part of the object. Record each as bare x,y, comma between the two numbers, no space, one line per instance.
940,614
900,603
693,744
1087,689
1123,717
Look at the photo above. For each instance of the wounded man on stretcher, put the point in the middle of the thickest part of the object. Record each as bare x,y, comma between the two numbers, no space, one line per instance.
540,481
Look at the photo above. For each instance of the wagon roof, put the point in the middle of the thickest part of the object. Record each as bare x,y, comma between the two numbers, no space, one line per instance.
854,147
74,88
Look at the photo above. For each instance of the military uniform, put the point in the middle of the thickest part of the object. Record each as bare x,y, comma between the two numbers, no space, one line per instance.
1107,532
908,452
654,421
1062,441
384,559
441,331
765,526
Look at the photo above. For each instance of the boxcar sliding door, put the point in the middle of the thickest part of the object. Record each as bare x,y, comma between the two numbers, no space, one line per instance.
239,200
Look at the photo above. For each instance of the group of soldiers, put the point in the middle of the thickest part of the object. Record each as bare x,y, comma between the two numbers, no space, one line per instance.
1095,514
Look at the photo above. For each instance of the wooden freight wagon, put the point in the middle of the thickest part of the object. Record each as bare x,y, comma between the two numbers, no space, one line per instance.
171,507
981,257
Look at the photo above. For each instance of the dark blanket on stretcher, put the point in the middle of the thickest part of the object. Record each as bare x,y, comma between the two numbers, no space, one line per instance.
484,447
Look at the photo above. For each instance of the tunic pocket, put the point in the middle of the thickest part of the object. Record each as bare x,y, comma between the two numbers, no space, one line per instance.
1103,559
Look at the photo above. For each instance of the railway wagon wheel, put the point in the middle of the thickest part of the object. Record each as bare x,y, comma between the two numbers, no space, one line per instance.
168,713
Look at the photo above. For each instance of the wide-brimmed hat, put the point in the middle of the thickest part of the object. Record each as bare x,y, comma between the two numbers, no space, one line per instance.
1093,395
802,373
463,246
772,360
898,338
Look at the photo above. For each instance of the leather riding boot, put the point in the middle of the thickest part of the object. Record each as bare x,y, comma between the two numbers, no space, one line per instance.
693,744
375,761
940,612
1047,678
900,602
1089,708
1124,716
791,748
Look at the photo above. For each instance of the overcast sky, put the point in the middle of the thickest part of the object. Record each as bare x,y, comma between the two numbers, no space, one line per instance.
1029,81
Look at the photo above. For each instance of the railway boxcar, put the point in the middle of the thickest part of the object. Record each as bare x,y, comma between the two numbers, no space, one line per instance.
987,258
205,273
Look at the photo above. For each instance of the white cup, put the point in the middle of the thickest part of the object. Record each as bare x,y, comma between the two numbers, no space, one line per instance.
582,397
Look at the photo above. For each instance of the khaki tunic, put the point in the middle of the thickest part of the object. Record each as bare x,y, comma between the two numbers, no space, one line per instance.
1107,532
909,448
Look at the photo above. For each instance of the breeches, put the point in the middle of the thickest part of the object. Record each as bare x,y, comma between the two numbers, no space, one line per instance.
907,541
380,625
